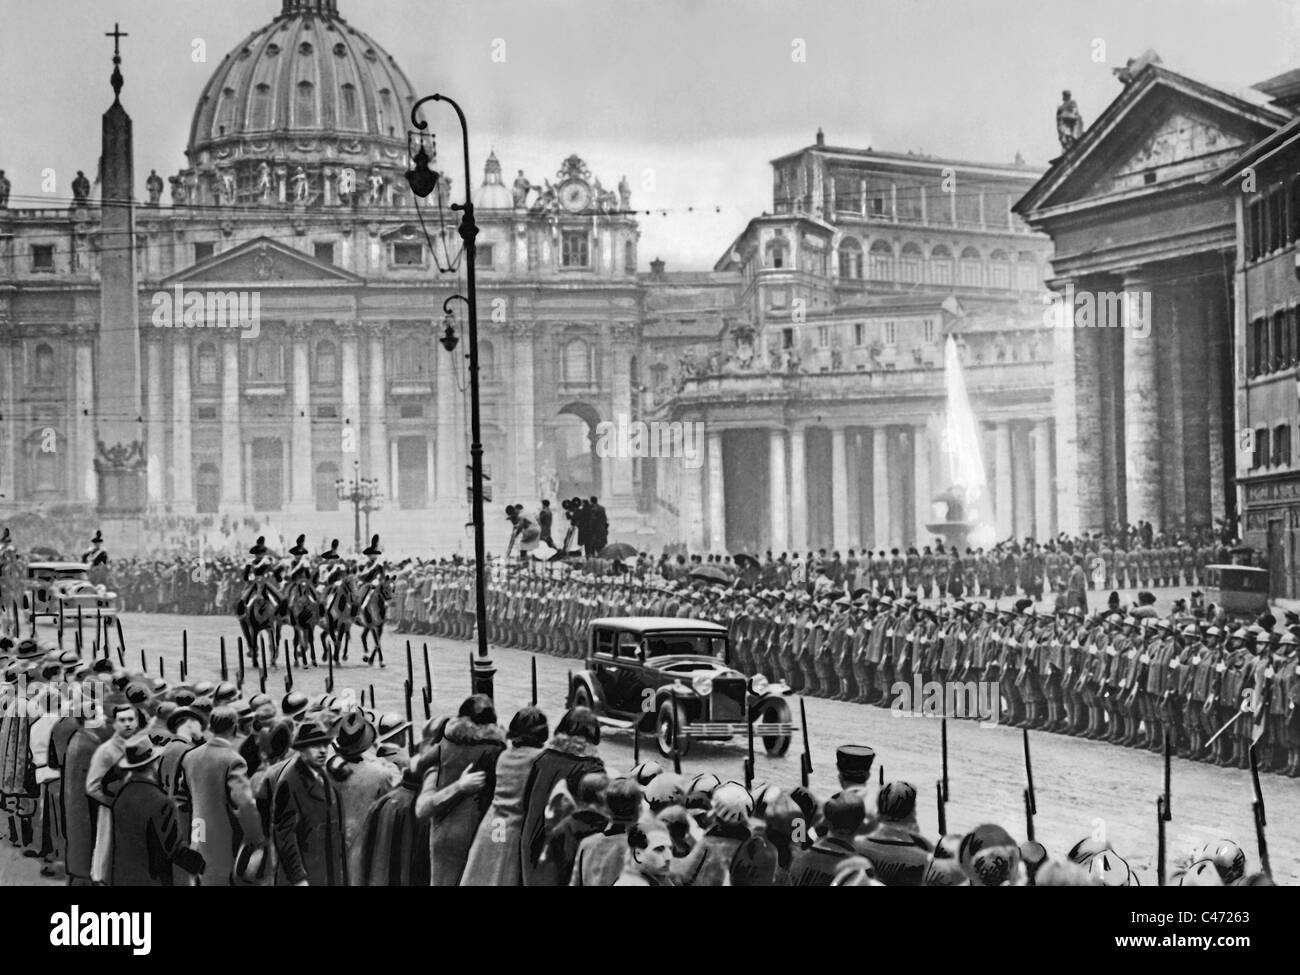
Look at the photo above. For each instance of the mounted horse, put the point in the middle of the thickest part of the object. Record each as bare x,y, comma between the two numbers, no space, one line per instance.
371,615
304,616
339,611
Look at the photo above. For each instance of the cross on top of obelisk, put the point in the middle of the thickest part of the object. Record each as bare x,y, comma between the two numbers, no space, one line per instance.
117,34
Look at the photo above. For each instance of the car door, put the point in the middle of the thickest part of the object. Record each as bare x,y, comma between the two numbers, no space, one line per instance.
602,666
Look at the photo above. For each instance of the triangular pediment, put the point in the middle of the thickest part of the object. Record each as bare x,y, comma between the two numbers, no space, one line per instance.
264,261
1162,130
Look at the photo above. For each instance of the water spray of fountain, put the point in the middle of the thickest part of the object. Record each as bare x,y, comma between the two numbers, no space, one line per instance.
968,519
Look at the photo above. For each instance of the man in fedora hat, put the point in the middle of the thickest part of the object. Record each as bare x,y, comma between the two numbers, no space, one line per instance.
213,788
147,836
101,785
359,778
306,815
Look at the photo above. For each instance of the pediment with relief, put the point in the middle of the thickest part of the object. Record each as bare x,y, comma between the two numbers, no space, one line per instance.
1182,145
263,260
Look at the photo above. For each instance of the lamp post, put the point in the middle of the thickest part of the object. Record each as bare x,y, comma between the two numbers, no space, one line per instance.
423,181
363,494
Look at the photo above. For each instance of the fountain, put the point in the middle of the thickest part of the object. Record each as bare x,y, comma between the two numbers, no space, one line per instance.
967,515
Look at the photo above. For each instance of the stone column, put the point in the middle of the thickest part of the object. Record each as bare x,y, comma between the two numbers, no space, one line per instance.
350,446
1142,442
377,418
1002,491
393,478
691,511
182,426
84,359
921,482
450,480
717,495
232,451
1080,439
880,488
1042,447
776,490
798,492
839,492
622,389
156,418
525,432
302,497
9,429
1022,481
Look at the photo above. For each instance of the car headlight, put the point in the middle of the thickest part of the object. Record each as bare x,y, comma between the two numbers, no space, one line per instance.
758,684
703,685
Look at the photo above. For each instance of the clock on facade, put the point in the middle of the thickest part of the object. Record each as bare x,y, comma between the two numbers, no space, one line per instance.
575,195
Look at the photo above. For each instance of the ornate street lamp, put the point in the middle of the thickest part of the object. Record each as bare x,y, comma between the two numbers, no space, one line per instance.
423,180
363,494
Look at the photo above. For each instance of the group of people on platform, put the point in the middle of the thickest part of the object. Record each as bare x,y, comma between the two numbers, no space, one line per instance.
113,777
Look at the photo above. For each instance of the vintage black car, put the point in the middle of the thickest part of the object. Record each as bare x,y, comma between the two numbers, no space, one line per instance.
670,677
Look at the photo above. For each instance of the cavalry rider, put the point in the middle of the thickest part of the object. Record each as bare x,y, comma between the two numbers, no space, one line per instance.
372,574
300,569
257,576
96,560
328,564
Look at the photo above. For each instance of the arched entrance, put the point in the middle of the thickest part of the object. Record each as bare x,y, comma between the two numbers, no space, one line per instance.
577,465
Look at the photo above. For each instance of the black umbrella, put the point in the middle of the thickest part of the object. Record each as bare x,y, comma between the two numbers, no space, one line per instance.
617,550
710,573
746,561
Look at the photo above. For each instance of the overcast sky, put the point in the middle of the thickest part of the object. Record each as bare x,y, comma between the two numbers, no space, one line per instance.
702,92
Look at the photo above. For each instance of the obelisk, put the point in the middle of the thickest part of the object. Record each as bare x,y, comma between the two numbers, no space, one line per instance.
120,459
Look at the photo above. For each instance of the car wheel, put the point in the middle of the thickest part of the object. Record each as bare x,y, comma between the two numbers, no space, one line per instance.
668,719
581,696
775,711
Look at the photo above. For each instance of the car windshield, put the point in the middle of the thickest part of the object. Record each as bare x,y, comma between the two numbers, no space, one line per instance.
685,644
59,573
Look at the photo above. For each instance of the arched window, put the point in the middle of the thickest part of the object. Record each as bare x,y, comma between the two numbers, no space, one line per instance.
850,258
327,363
658,375
387,113
207,364
972,271
941,265
778,252
1028,277
207,489
577,362
999,270
261,109
349,106
226,110
882,261
45,470
43,365
909,264
487,360
304,112
327,498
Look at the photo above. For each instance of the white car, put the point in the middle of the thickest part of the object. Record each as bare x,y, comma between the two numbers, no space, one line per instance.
51,584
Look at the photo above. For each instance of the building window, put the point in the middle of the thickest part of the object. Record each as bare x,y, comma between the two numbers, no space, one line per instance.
927,330
1261,448
45,471
327,362
42,257
877,204
412,411
207,489
205,413
483,256
1028,277
261,111
487,360
266,363
999,270
351,111
1255,228
848,194
891,334
850,254
941,265
408,255
971,272
203,250
327,498
575,249
787,338
823,336
859,333
410,361
909,265
43,366
1281,445
327,411
304,114
1256,353
577,362
207,364
323,250
882,261
776,252
629,257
